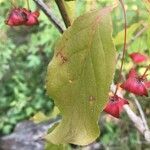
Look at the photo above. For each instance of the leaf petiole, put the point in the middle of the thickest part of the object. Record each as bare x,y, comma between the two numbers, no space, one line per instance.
125,43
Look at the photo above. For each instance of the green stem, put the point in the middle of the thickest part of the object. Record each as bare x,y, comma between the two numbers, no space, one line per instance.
12,3
125,43
28,5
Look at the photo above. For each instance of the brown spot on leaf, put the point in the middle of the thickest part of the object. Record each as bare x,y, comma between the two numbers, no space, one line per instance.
62,57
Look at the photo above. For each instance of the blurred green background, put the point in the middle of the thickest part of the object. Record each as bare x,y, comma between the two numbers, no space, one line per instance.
26,51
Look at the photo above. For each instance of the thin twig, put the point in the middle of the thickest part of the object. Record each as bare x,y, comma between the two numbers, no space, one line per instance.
63,12
134,118
50,15
138,122
144,74
140,111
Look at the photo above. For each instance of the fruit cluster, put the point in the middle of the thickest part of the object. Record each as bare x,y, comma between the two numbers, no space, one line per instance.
22,16
134,83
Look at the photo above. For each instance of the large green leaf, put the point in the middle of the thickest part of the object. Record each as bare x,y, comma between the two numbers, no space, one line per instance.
79,77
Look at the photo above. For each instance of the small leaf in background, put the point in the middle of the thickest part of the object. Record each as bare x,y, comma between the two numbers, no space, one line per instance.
79,77
119,39
55,112
147,4
91,5
70,7
33,60
39,117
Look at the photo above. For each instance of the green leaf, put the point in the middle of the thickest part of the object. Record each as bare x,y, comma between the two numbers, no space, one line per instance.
70,7
50,146
79,77
91,5
119,39
39,117
147,5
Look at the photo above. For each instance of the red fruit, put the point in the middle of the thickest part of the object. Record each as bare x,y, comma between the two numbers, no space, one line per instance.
27,12
36,14
115,106
135,84
22,16
32,18
137,57
132,73
16,17
147,84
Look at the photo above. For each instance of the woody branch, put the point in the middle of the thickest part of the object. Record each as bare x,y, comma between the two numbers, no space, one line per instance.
48,12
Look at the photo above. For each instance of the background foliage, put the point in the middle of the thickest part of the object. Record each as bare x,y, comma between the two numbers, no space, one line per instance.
25,53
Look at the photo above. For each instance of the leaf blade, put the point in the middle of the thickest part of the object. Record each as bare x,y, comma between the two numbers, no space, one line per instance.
78,79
